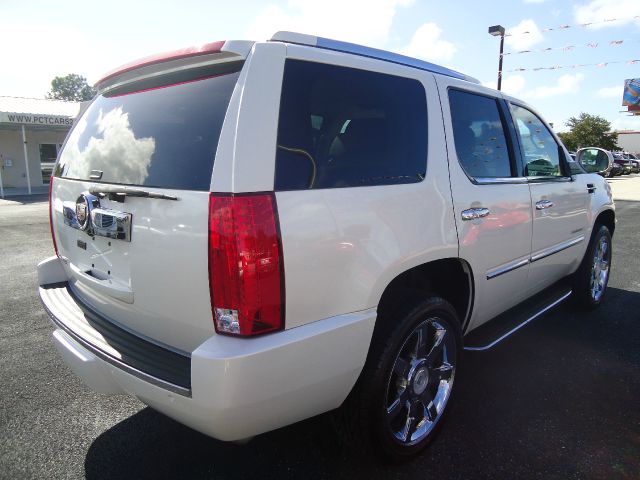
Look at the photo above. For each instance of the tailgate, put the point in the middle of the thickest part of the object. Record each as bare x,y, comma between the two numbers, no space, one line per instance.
130,206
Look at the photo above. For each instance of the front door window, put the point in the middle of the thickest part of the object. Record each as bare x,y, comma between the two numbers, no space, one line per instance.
540,151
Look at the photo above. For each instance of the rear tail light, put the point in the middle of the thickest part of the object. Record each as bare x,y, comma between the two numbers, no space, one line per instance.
53,234
246,274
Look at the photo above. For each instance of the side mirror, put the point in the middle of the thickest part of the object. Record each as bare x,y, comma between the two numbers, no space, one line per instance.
595,160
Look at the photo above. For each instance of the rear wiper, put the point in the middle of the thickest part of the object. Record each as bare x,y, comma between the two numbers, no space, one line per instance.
119,193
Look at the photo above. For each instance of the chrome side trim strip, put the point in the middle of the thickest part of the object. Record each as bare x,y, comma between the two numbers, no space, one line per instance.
117,363
498,180
496,272
556,248
548,179
509,267
515,329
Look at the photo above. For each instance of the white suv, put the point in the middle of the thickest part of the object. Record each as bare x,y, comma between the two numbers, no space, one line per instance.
250,234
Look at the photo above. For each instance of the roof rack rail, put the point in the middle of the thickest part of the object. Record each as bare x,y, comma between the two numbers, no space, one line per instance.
355,49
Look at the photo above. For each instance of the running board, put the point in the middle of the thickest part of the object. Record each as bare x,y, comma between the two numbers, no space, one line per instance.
495,331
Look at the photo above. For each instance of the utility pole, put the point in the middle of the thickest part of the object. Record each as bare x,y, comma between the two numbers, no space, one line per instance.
498,30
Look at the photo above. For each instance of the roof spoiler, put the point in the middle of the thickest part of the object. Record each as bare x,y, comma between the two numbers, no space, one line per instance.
174,62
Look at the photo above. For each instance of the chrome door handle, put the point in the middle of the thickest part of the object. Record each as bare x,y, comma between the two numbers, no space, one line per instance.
473,213
542,204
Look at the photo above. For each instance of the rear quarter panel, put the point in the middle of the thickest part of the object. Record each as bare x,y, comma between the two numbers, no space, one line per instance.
343,246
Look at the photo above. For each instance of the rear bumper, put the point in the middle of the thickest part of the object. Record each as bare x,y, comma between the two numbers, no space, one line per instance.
238,387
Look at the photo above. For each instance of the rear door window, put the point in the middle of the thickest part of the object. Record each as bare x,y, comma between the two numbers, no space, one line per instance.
342,127
479,135
164,137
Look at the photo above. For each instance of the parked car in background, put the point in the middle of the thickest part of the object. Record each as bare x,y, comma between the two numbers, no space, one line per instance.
630,159
633,159
616,170
248,234
625,163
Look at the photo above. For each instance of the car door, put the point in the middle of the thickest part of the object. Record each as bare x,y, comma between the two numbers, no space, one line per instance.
492,203
559,201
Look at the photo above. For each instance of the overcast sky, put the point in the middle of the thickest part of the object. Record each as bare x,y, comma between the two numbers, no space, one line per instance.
42,39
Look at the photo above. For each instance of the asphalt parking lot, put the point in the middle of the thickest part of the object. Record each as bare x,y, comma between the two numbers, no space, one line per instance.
559,400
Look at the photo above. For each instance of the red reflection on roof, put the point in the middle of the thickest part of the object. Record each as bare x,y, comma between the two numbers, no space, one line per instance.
207,48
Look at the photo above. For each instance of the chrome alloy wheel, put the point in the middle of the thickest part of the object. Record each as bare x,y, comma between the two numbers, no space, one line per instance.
421,381
600,268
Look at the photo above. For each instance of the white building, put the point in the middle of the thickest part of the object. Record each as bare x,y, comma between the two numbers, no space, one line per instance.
32,131
629,141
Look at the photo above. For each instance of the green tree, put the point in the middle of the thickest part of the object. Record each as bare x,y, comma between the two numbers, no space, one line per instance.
589,131
72,87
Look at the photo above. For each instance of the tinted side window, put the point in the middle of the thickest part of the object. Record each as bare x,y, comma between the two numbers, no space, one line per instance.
540,150
342,127
478,132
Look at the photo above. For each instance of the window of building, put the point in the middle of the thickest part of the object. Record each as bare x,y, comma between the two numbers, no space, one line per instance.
48,155
540,150
342,127
479,135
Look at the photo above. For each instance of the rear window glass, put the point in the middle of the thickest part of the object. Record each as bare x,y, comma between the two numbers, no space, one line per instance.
342,127
165,137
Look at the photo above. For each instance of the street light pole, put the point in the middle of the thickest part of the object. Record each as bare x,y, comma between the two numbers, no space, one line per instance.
498,30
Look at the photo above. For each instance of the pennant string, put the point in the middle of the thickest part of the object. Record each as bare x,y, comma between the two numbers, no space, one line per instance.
580,65
564,27
569,48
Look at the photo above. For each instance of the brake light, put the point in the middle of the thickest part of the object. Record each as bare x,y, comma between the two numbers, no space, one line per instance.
53,235
246,274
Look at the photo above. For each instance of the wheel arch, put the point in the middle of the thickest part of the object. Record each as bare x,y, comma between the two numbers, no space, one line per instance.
450,278
607,218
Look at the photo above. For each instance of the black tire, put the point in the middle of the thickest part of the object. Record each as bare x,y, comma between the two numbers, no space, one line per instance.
368,418
590,282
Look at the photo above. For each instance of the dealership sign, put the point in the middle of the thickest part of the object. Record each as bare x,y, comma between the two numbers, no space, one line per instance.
631,96
36,119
